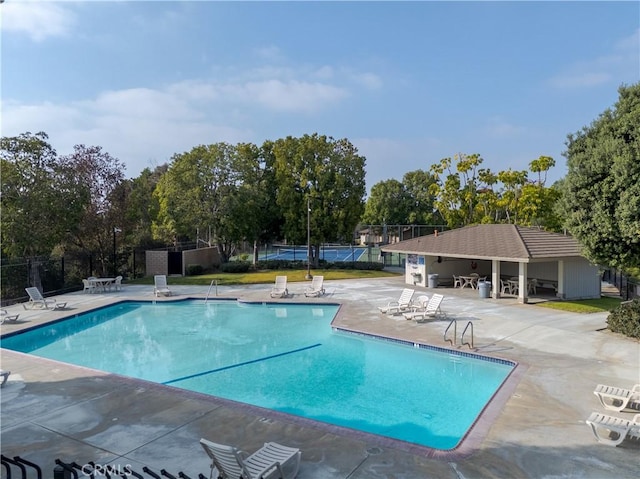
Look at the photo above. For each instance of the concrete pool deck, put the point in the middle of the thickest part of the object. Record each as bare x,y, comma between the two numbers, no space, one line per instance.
534,429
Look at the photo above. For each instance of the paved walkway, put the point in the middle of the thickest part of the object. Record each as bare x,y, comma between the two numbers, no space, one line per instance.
533,429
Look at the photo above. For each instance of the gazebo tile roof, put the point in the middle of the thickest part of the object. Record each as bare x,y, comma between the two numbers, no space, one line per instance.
493,241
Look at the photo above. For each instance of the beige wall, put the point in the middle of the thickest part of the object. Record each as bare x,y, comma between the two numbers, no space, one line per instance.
156,262
205,257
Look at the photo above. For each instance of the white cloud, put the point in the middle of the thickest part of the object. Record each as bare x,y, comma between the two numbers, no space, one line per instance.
622,62
38,20
499,128
141,127
370,81
578,77
292,95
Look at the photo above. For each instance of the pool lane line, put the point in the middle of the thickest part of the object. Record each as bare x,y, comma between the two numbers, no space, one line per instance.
204,373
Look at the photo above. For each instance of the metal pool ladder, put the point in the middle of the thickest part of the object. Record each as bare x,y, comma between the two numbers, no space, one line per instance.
454,323
470,344
213,281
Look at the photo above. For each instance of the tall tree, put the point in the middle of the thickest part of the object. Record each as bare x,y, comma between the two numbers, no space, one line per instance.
417,184
213,188
142,207
457,189
329,175
602,187
42,198
101,175
388,203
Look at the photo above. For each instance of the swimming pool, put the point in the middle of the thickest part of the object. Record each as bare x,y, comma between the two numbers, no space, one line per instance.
284,357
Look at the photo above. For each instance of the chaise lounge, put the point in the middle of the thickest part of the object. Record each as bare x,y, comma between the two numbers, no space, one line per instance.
36,300
611,430
270,459
279,289
161,287
316,287
5,316
617,399
430,310
403,304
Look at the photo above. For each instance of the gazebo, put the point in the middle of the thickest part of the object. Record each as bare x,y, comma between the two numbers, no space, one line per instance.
499,252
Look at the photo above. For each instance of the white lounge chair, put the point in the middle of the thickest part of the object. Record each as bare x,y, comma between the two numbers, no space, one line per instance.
36,300
403,304
279,289
5,316
617,399
161,287
431,310
419,304
271,458
316,287
617,429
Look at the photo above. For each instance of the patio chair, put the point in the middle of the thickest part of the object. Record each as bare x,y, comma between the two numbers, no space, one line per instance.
431,310
617,399
617,429
279,289
271,458
89,287
117,283
505,287
161,287
457,281
36,300
402,305
316,287
5,316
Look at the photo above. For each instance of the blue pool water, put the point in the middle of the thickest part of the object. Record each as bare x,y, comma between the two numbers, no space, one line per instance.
281,357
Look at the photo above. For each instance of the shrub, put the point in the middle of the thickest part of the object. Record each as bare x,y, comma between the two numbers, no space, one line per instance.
235,267
625,319
194,270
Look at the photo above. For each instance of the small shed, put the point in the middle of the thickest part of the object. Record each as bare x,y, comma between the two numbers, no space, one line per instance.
498,251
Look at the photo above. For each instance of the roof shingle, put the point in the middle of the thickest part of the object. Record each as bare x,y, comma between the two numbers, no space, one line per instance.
505,242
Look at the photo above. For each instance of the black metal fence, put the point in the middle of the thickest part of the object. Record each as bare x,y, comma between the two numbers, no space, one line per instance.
627,286
57,275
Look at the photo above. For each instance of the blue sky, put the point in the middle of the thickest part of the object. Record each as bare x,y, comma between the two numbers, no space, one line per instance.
408,83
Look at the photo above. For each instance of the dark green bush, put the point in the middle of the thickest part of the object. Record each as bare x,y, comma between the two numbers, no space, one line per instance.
194,270
235,267
625,319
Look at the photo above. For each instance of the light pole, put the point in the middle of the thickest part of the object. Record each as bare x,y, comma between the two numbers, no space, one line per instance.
308,276
115,230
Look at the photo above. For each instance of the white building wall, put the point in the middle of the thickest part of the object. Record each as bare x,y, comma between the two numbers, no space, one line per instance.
581,280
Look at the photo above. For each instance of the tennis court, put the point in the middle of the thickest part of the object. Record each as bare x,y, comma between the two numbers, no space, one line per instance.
332,253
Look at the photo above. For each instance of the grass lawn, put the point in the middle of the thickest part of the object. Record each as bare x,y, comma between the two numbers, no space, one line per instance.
262,277
584,306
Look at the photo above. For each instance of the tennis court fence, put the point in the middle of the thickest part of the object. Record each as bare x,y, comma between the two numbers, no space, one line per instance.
331,253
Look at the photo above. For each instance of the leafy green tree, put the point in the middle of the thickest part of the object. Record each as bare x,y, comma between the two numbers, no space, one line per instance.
142,206
417,184
388,203
458,187
42,198
102,176
329,175
601,192
215,188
